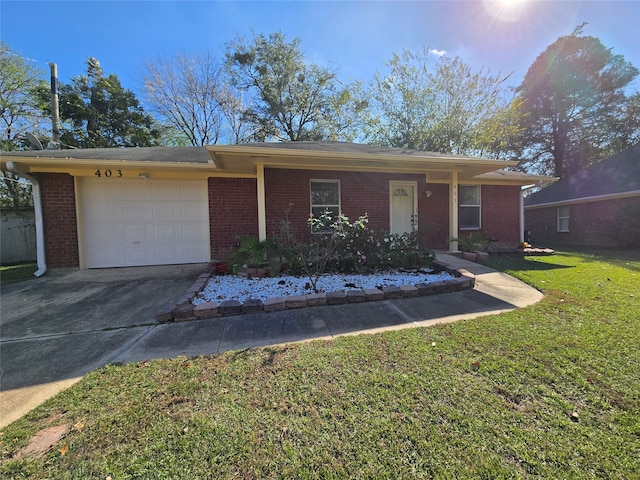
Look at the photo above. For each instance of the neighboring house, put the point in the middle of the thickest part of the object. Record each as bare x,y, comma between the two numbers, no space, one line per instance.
598,206
149,206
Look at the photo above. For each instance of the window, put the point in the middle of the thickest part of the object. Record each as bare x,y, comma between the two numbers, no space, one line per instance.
469,204
563,219
325,195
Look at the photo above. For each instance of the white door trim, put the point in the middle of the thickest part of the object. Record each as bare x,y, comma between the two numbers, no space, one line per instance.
393,186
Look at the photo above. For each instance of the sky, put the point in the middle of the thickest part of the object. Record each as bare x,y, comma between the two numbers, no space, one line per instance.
354,37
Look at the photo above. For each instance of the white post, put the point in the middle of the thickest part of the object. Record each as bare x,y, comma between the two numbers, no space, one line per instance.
522,215
453,211
262,213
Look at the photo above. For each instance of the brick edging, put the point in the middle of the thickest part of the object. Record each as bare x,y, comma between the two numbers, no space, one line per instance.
184,310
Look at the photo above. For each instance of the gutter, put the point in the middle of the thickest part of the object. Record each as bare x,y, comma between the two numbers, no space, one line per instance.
594,198
37,206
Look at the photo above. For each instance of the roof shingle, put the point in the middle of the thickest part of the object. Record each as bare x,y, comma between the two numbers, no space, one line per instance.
614,175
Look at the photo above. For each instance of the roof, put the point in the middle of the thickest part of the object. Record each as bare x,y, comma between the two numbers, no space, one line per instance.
352,148
245,159
615,176
139,154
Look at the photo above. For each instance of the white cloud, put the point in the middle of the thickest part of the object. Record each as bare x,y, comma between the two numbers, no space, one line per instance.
438,53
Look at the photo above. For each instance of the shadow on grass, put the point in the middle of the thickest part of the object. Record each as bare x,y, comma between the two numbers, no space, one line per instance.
514,263
625,258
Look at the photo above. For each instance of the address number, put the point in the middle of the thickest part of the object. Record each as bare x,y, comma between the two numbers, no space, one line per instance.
108,173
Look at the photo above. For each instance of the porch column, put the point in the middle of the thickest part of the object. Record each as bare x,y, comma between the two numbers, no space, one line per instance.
521,215
262,214
453,211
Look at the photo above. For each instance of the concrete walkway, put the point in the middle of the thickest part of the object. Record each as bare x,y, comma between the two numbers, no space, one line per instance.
106,316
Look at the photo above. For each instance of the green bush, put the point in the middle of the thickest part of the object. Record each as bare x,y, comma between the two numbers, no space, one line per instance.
341,246
473,241
252,253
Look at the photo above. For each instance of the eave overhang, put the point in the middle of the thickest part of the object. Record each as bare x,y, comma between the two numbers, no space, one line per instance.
591,199
243,161
245,158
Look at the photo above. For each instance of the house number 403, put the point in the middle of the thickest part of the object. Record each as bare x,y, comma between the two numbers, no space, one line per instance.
108,173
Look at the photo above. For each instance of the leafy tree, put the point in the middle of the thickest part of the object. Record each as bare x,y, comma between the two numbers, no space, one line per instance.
447,110
97,112
14,191
18,115
400,109
18,107
576,109
623,129
473,111
192,94
288,99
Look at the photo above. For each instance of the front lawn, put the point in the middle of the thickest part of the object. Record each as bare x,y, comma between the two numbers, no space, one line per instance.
549,391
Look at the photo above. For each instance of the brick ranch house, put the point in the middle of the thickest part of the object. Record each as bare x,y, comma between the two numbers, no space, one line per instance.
150,206
597,206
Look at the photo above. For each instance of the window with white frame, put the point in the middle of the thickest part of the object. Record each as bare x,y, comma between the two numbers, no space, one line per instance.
469,207
325,197
563,219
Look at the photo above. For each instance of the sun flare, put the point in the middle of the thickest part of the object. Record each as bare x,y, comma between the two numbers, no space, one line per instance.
506,10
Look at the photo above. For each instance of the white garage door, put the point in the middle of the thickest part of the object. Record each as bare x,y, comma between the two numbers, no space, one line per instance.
132,222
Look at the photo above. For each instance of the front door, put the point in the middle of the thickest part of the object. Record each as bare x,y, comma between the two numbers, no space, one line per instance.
403,201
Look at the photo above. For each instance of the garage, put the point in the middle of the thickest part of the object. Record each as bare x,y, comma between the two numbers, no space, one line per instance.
142,221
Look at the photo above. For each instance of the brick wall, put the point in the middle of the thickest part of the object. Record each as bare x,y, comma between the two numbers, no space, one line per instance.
593,223
434,216
233,211
361,192
500,207
59,220
500,211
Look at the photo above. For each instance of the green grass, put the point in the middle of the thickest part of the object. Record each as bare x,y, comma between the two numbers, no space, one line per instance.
548,391
14,273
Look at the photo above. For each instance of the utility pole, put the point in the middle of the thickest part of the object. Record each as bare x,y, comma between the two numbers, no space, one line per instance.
55,112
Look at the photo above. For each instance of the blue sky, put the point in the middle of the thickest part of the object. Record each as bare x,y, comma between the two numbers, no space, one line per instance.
355,37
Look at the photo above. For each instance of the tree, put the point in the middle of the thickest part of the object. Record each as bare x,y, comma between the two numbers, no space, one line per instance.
97,112
447,110
18,108
192,95
19,115
14,191
575,105
288,99
399,108
625,127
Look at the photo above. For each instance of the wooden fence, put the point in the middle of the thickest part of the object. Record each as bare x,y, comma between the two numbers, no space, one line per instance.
17,235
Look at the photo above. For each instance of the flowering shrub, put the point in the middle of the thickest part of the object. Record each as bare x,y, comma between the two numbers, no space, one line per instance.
366,251
344,246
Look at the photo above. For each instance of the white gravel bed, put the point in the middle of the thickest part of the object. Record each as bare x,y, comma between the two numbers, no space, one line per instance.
228,287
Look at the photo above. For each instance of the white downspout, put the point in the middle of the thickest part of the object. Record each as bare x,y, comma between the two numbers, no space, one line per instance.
37,207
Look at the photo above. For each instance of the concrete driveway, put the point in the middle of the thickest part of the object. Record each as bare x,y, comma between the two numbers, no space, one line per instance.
57,328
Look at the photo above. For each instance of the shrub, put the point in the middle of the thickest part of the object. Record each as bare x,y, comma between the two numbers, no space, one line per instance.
473,241
346,247
252,253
